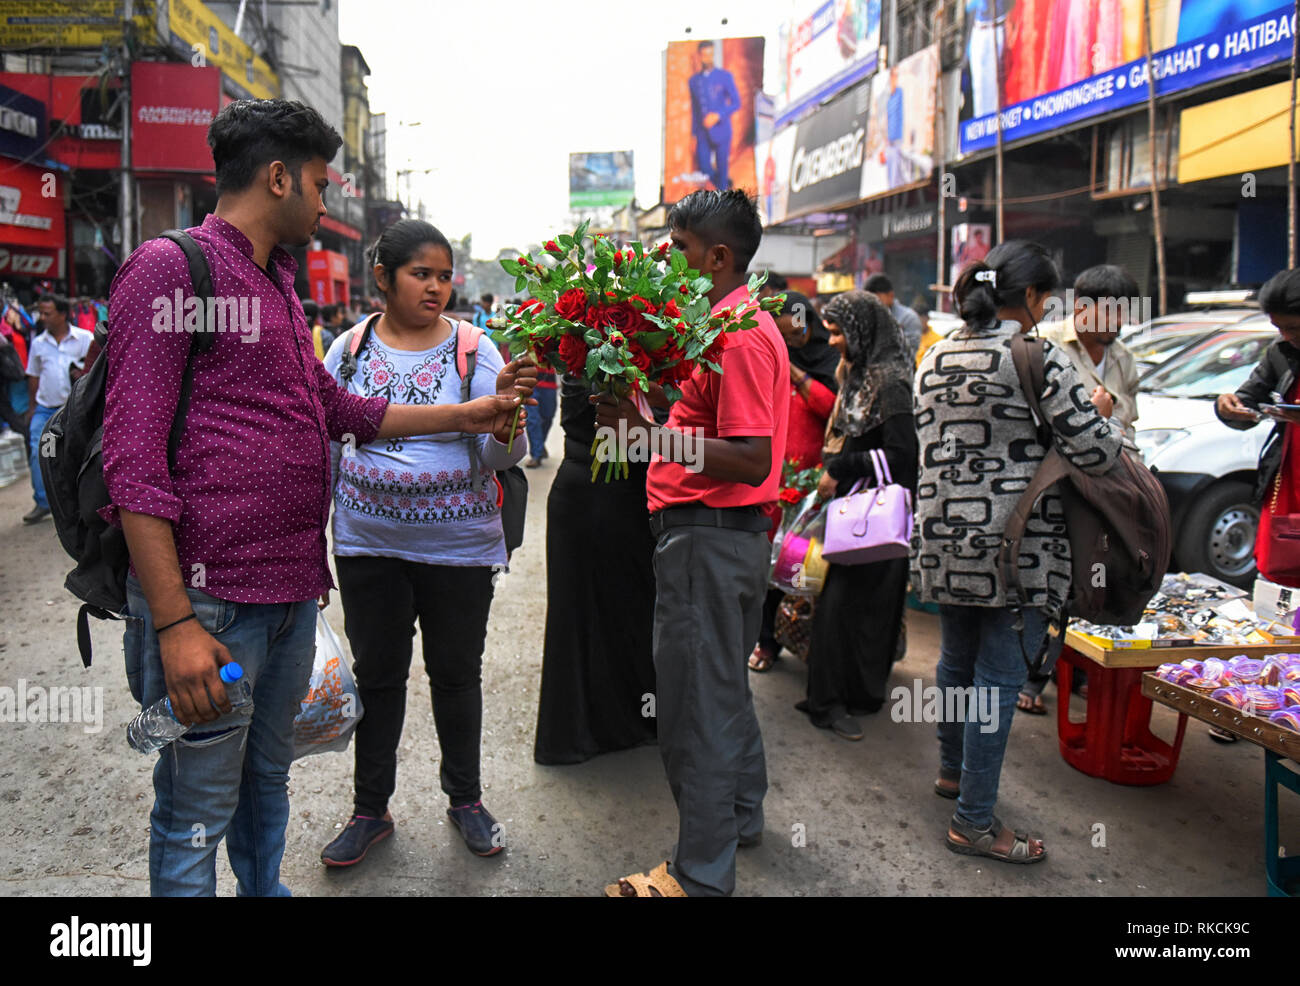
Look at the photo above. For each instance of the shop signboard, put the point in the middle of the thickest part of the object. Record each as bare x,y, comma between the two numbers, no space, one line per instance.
195,32
22,125
172,106
1063,62
31,207
900,139
834,44
604,178
826,167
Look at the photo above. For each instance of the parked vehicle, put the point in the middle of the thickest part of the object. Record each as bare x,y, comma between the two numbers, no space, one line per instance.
1207,468
1155,341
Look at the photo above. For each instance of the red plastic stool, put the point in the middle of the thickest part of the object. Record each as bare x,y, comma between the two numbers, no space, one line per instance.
1114,741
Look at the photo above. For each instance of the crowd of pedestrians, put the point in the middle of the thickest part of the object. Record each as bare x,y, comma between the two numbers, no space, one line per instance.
400,423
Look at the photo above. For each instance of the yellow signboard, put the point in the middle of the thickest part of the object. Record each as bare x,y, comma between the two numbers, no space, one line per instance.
33,25
196,31
1234,135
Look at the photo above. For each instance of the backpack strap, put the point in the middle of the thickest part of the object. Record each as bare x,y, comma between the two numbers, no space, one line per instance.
467,339
200,342
358,337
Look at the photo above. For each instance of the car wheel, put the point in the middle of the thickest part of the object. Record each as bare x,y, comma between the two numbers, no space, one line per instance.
1218,534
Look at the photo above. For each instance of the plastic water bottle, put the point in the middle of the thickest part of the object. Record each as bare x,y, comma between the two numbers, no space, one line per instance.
157,726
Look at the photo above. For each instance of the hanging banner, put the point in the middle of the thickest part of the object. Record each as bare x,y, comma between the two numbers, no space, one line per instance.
834,46
900,140
1063,61
709,119
197,33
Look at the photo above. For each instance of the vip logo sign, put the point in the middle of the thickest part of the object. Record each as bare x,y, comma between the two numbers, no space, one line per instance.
33,264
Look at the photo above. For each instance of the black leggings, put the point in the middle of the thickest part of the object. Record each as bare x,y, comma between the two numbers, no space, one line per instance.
382,598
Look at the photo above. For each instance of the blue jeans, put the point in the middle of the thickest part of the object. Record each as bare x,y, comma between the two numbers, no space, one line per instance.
539,421
980,647
228,778
40,416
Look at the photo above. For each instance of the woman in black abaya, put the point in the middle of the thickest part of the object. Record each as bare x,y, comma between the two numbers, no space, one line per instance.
860,612
597,666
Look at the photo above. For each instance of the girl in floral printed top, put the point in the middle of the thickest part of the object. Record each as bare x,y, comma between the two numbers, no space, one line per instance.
416,538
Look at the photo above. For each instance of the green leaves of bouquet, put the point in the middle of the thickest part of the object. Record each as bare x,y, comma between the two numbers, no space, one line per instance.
620,318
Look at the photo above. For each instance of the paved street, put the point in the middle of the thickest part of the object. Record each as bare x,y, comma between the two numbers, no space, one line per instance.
76,804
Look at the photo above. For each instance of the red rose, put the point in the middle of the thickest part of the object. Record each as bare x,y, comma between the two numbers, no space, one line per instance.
649,307
624,317
640,359
663,249
574,353
671,309
597,316
553,247
532,305
684,289
714,353
679,373
571,304
618,258
790,495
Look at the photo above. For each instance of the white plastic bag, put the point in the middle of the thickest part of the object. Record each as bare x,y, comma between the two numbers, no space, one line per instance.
332,707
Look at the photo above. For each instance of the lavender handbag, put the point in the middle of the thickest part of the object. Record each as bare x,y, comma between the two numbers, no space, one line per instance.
870,524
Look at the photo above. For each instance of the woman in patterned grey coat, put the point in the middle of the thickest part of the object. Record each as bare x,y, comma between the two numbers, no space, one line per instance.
979,450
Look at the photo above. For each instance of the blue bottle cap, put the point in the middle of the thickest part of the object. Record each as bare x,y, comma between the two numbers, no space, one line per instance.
231,672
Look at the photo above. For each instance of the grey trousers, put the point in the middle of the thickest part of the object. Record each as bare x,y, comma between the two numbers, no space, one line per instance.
709,589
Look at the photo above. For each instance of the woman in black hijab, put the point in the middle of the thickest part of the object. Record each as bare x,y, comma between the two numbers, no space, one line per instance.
812,395
860,612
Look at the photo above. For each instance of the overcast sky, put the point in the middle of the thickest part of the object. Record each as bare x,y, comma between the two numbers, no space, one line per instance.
503,90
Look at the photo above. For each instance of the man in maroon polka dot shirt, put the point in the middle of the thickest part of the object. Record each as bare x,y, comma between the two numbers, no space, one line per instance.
228,545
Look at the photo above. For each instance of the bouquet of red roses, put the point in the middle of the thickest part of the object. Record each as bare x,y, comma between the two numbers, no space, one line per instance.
620,319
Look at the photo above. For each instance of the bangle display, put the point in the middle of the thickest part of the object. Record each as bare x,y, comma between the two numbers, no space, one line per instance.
183,619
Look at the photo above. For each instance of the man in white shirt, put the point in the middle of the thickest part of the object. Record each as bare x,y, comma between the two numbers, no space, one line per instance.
1103,296
57,357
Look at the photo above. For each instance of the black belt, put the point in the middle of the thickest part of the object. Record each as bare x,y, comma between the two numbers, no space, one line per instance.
733,518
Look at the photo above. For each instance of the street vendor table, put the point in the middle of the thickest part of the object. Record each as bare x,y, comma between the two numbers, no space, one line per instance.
1283,875
1115,741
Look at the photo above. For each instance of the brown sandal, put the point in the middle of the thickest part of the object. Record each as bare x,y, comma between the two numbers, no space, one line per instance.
982,842
762,660
653,883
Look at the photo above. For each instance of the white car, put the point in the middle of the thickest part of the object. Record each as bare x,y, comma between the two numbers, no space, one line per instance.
1207,469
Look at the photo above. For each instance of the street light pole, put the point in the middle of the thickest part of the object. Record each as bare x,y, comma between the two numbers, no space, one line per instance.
1155,164
1290,158
126,197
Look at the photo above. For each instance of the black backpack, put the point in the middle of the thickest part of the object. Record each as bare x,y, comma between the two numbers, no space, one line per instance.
514,484
72,468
